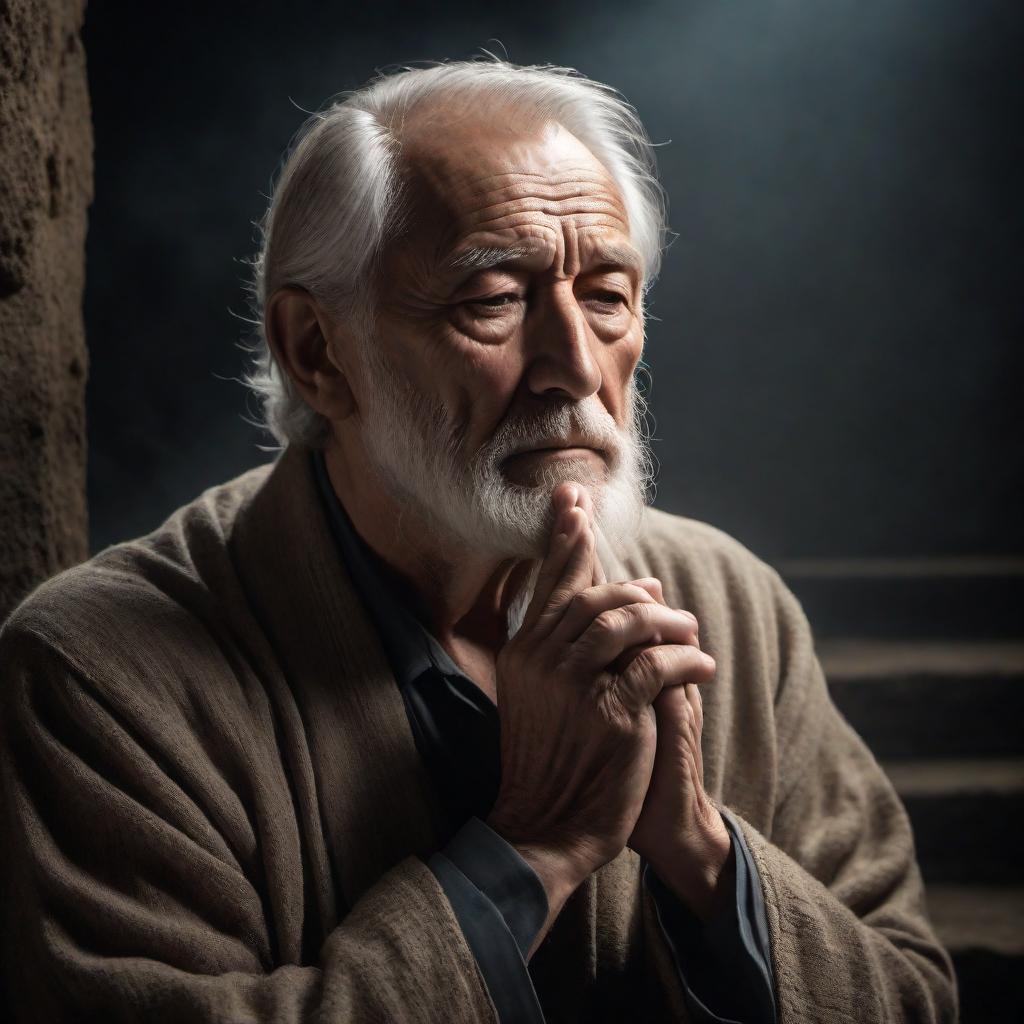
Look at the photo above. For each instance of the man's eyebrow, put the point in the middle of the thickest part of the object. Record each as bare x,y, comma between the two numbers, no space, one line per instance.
604,255
483,258
614,256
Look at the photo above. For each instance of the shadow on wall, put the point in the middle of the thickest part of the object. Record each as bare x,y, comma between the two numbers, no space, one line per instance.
833,343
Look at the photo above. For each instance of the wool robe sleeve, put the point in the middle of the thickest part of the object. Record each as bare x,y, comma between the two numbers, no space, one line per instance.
126,903
850,937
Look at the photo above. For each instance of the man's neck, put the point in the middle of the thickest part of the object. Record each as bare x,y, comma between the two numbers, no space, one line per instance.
462,596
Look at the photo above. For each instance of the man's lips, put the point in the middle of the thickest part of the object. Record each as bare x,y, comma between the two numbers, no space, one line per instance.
563,451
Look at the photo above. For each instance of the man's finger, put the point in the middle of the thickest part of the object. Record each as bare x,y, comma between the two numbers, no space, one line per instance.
563,582
589,603
697,703
586,502
560,546
673,708
618,629
659,667
653,587
697,723
575,576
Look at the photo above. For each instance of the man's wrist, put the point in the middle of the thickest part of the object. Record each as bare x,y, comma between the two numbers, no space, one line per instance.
558,874
700,869
558,871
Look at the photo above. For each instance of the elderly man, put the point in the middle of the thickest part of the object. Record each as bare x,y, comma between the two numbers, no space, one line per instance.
411,725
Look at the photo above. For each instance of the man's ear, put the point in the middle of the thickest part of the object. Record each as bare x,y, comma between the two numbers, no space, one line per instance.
297,331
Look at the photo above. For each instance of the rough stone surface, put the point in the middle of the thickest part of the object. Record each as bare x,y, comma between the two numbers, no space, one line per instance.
45,190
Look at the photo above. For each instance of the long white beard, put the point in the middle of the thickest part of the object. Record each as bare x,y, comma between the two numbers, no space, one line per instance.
420,455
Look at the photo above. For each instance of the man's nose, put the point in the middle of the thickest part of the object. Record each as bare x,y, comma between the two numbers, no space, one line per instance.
561,348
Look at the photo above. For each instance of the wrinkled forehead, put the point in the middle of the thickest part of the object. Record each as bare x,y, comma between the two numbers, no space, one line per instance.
502,175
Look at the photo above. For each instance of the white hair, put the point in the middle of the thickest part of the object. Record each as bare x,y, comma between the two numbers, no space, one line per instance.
338,197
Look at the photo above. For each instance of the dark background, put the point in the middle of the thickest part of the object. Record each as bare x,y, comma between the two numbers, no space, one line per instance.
836,363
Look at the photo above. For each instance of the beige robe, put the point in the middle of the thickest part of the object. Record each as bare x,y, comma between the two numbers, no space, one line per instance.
213,808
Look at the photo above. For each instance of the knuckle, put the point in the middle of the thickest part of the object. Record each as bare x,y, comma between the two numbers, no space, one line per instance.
635,593
613,710
695,665
644,610
609,621
618,705
647,664
689,617
648,583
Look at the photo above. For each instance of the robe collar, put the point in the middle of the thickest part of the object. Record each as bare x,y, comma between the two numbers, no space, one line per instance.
377,804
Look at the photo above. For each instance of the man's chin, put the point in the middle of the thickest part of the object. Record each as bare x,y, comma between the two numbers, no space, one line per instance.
545,476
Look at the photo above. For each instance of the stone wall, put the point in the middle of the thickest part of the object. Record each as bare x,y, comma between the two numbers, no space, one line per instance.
45,189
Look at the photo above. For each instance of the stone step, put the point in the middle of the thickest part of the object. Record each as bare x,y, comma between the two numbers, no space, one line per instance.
967,816
983,929
930,699
979,598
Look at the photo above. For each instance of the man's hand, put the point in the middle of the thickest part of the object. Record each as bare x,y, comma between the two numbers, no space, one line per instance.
680,831
578,736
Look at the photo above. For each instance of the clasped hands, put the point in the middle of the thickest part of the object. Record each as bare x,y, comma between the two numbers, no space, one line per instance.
601,726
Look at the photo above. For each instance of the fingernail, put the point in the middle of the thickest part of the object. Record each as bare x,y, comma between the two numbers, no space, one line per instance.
689,615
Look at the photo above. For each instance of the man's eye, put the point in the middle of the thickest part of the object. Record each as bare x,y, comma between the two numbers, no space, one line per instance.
606,298
495,302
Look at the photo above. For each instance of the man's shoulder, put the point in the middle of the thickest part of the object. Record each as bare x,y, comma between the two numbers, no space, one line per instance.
708,571
136,587
690,545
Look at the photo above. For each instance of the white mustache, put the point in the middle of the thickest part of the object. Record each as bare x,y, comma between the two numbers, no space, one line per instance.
585,424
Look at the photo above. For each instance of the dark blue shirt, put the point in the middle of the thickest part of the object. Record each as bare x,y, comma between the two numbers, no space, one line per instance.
496,896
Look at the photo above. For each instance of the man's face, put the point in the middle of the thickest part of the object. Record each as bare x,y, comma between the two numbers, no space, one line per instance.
508,329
